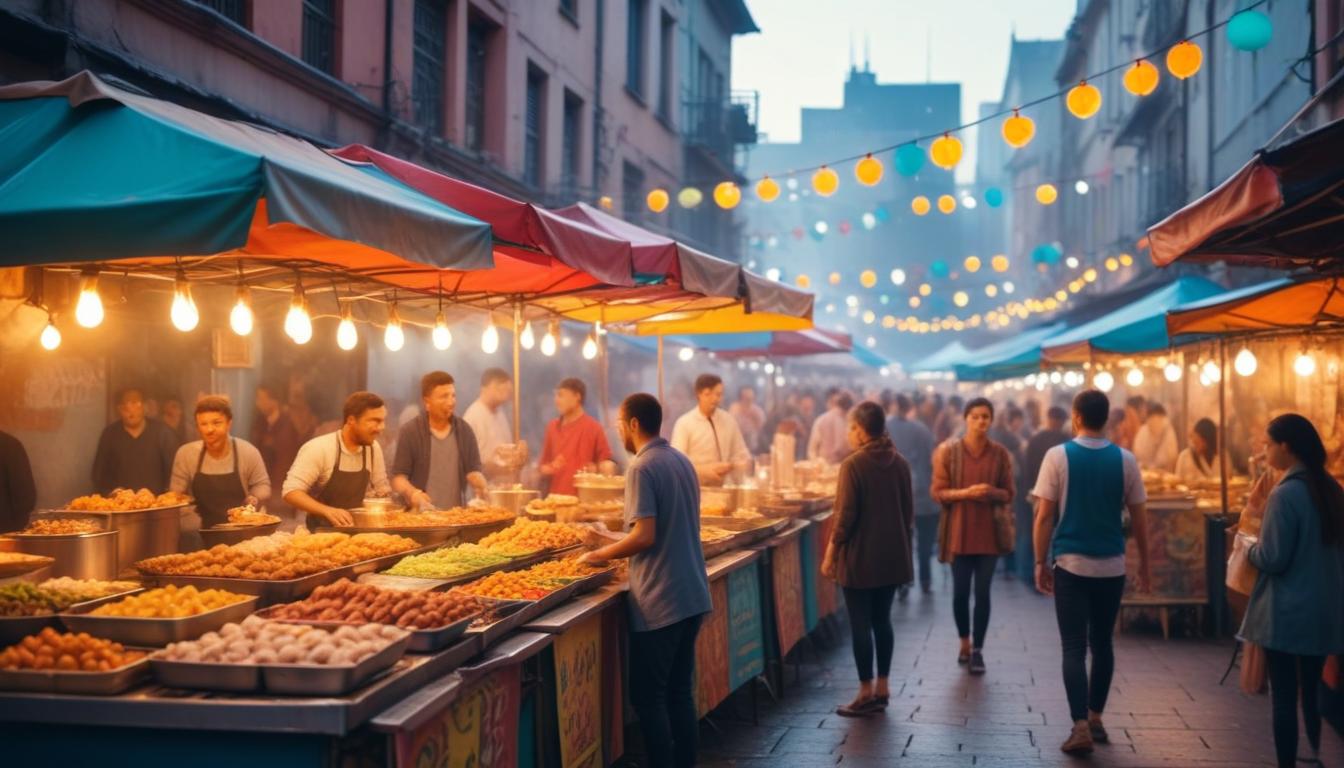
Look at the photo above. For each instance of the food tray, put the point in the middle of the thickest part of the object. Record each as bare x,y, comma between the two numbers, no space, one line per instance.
315,680
15,628
58,512
422,640
413,582
232,534
196,675
130,630
747,531
28,564
429,534
512,615
107,683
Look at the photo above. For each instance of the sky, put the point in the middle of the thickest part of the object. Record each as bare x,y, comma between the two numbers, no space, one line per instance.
802,54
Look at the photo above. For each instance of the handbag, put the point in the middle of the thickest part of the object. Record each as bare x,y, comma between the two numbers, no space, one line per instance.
1253,668
1005,528
1241,574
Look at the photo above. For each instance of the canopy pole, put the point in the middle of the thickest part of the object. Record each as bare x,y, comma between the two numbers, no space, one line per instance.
1222,419
517,383
660,368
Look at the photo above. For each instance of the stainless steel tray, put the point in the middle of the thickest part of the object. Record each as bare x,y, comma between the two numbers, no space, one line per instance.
15,628
426,534
510,615
422,640
513,564
84,683
232,678
130,630
713,549
316,680
229,535
93,512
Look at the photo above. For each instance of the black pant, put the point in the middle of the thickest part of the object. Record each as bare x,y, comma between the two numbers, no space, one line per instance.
662,690
964,567
870,620
926,537
1086,609
1285,669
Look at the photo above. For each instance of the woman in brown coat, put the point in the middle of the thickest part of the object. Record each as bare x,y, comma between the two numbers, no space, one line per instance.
869,552
972,475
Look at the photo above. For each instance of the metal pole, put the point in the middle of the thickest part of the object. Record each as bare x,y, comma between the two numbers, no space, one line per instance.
660,368
517,383
1222,419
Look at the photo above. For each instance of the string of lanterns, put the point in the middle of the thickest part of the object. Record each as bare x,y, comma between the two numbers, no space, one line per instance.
1247,30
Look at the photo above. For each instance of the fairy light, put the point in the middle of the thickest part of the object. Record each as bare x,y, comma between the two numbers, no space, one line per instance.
51,335
183,313
347,336
526,339
548,341
490,338
241,319
89,309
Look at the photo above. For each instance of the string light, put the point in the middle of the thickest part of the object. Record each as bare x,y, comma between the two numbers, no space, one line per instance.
1245,363
1046,194
1173,372
442,335
241,319
1134,377
999,263
298,325
972,264
898,276
526,340
394,336
947,203
727,195
690,197
1184,59
868,171
347,336
548,341
1305,364
1103,381
946,151
825,181
658,200
685,354
183,313
767,190
89,308
590,346
51,335
1017,130
1212,371
1142,78
1083,100
920,205
490,338
802,281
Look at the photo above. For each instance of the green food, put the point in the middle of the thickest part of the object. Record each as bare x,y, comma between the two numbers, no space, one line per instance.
24,599
448,563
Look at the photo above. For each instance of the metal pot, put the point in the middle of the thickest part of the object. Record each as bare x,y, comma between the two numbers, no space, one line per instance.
78,555
513,499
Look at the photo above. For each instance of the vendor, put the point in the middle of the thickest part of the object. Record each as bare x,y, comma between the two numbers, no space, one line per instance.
574,440
335,471
501,458
709,437
1200,461
135,451
219,471
1155,444
437,455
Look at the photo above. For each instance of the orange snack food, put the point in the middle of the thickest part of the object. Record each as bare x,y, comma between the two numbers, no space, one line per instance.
67,652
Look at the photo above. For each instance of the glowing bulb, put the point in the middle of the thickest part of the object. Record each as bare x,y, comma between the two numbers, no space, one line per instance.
548,341
240,318
346,334
1245,363
898,277
1134,378
298,325
590,347
490,339
441,336
394,338
1212,371
89,309
1103,381
961,299
1304,365
51,336
1081,187
1173,372
685,354
184,314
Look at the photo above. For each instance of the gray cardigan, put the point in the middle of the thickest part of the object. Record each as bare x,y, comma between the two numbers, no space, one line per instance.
413,447
1295,606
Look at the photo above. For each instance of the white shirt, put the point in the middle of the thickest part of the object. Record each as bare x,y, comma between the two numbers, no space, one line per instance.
828,439
492,430
710,440
1053,485
1190,471
317,459
1156,451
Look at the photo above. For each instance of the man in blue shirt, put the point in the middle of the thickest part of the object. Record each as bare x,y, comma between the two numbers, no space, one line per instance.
669,588
914,441
1084,487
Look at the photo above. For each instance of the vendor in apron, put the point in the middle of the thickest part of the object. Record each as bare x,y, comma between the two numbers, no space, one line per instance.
333,473
219,472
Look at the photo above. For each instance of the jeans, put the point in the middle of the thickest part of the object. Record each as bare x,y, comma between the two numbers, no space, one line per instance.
1285,669
964,568
870,620
926,538
1086,609
662,690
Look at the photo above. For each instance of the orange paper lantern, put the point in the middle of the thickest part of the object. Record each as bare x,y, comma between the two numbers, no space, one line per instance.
825,181
868,171
945,151
1046,194
727,195
1141,79
767,190
658,200
1018,130
1084,100
1184,59
920,205
947,203
802,281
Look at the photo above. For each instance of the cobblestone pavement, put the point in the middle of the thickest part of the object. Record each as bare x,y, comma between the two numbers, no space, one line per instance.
1166,708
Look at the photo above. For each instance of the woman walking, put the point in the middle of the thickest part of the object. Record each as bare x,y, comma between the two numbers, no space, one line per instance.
869,552
973,479
1294,611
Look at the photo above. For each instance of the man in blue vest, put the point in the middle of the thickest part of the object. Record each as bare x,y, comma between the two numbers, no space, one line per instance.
1081,494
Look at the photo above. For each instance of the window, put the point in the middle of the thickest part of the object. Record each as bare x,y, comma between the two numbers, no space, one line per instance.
233,10
666,30
632,192
319,34
572,141
534,127
634,51
478,37
428,66
571,9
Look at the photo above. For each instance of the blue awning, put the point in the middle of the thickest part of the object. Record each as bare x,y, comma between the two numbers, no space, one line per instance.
1138,327
1015,356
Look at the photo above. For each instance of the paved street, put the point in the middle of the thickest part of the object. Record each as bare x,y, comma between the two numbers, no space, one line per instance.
1166,708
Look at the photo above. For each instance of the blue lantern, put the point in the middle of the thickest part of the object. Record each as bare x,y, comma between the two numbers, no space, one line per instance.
1046,253
1249,31
939,269
882,214
993,197
909,159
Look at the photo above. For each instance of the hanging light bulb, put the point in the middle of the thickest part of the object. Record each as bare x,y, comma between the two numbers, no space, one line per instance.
394,337
548,341
298,325
526,339
1212,371
1103,381
184,314
346,334
240,317
441,336
51,335
685,354
767,189
1173,372
590,347
1134,377
89,309
490,339
1305,364
1245,363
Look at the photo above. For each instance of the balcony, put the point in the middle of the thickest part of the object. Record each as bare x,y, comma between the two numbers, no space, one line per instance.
717,127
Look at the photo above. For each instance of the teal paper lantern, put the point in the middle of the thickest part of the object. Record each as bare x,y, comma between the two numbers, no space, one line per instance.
909,159
1249,31
939,269
882,214
1046,253
993,197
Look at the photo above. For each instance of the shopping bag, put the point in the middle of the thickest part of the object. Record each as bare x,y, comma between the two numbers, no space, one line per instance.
1253,668
1241,574
1005,529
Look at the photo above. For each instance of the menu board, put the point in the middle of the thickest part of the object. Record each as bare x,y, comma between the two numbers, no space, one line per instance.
746,635
711,652
788,585
478,730
578,693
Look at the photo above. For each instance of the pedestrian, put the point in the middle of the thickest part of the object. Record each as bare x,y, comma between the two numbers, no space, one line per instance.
827,441
1081,494
669,589
973,480
914,441
1054,432
1294,611
574,441
869,551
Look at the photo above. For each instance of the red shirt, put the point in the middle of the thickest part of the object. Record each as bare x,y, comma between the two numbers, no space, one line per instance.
581,442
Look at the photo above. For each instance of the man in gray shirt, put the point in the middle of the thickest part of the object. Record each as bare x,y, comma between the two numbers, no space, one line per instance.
669,588
437,456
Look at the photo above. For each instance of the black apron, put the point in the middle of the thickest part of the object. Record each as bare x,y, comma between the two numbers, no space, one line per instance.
345,490
216,494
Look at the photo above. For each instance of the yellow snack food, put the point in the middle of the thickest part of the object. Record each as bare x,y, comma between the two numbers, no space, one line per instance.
169,602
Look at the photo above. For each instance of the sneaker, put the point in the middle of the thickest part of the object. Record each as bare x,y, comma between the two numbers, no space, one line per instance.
963,658
1098,731
1079,741
977,664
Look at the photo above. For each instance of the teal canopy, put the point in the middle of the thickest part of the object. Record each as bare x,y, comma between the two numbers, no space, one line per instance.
93,172
1137,327
942,360
1017,355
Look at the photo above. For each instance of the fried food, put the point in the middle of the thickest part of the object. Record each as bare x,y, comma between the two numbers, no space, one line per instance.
169,602
249,515
261,642
126,500
531,584
279,557
349,601
710,533
530,536
444,518
69,591
67,652
448,563
61,526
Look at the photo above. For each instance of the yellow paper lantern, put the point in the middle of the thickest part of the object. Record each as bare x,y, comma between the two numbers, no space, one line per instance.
1084,100
888,321
920,205
658,200
802,281
605,202
868,278
727,195
945,151
925,289
1126,260
961,299
868,171
690,197
1141,79
1184,59
947,203
1046,194
825,181
1112,264
834,278
999,263
972,263
767,190
1018,130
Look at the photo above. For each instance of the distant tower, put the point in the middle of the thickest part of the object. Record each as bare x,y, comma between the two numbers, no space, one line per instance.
867,59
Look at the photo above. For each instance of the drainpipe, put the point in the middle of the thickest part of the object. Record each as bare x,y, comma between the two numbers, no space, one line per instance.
601,8
387,73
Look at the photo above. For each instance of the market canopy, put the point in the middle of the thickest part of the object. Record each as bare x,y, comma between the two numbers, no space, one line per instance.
1284,208
1132,329
813,341
942,360
90,171
1017,355
1278,305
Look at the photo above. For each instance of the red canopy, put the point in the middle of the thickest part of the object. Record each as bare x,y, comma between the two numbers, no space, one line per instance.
813,341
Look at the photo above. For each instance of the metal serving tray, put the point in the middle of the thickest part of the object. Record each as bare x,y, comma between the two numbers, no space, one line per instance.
422,640
430,534
15,628
713,549
528,610
229,534
208,676
131,630
107,683
318,680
